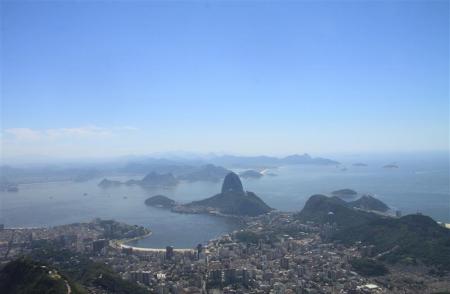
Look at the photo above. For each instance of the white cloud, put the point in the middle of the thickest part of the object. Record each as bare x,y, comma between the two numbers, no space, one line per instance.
27,134
83,141
23,134
80,132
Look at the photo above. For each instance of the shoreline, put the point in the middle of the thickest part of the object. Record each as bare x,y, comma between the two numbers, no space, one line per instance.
121,244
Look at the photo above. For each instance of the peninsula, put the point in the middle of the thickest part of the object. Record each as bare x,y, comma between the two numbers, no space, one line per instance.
232,200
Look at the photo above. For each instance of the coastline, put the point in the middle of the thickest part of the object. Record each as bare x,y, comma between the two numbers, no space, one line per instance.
122,244
182,209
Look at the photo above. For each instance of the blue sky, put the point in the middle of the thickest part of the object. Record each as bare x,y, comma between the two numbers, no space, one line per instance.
251,77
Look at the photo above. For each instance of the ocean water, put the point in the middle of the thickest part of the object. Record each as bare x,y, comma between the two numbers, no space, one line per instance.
420,184
49,204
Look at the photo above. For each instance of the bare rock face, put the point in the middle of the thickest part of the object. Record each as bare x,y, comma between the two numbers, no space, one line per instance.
232,183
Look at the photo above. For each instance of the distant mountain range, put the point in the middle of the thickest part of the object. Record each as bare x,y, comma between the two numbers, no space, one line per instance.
166,178
208,172
182,167
410,238
267,161
208,168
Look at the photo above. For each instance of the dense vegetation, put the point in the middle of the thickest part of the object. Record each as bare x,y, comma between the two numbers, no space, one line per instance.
248,237
412,238
369,267
117,230
368,202
408,239
27,276
82,270
160,200
322,209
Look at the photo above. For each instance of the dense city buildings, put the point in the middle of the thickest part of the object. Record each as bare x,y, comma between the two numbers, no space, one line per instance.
260,258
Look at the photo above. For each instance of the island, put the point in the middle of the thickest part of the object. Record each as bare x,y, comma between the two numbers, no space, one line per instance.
360,164
232,200
151,180
105,183
307,159
269,161
270,174
344,193
160,201
391,166
253,174
154,179
7,186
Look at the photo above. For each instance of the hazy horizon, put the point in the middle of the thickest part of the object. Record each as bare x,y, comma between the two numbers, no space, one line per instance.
182,156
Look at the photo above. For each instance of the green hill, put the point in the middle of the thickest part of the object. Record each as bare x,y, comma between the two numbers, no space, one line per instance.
82,270
410,238
322,209
368,202
25,276
160,201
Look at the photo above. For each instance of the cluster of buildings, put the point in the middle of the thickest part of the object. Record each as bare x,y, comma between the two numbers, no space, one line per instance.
302,264
88,238
274,254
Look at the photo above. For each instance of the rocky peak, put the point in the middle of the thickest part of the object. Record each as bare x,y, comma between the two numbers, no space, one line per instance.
232,183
